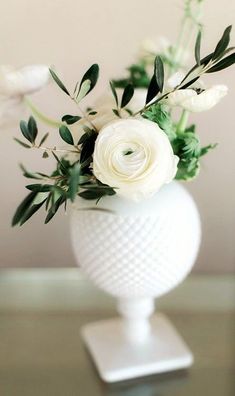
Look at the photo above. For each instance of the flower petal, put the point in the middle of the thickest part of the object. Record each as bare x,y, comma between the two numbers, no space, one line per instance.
206,100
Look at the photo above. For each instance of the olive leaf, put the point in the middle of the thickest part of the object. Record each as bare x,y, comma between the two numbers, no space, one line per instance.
74,181
159,72
25,145
59,82
70,119
198,48
114,92
153,90
22,208
223,43
88,82
32,128
127,95
223,64
66,134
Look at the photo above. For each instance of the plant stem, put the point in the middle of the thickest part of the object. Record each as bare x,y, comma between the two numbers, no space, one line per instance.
191,21
182,122
42,117
55,149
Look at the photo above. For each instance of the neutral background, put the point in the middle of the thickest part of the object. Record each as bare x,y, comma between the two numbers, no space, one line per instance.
72,34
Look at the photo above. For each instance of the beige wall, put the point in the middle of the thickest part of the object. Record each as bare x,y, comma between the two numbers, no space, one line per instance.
71,34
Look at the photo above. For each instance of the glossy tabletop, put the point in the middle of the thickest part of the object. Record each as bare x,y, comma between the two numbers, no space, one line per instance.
42,354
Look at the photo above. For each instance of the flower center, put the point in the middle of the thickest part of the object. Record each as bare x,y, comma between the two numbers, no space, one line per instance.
129,160
128,152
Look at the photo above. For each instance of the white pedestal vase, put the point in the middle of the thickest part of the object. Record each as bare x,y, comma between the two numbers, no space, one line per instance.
136,252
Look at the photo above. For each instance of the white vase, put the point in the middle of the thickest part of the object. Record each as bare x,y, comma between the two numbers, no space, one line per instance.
136,252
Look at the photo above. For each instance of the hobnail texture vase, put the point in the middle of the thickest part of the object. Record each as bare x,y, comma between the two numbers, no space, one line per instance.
137,251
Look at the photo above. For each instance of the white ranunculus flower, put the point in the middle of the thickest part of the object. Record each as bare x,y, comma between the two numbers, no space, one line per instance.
23,81
15,84
189,100
134,156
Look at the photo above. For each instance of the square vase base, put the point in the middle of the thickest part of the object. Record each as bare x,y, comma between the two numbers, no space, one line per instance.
119,359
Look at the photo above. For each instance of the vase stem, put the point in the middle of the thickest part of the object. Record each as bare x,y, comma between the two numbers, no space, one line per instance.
135,314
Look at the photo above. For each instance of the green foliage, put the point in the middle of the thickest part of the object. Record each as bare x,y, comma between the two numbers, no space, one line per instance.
114,92
187,169
96,191
66,135
127,95
214,62
223,64
185,145
87,142
29,130
22,208
161,116
73,182
70,119
59,82
88,82
223,43
188,148
116,112
198,48
153,90
137,76
44,138
159,72
23,144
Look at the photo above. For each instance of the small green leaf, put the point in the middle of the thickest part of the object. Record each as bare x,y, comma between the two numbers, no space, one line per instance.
31,175
89,80
66,134
198,48
70,119
25,145
74,181
45,154
159,72
206,149
39,187
96,193
59,82
223,64
25,131
30,212
54,208
22,208
116,112
44,138
223,43
127,95
87,150
114,92
83,90
153,90
32,129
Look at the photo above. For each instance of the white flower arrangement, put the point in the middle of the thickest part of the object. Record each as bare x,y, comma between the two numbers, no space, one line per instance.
129,145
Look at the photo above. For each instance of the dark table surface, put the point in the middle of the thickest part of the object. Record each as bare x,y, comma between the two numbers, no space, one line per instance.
42,354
